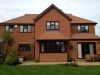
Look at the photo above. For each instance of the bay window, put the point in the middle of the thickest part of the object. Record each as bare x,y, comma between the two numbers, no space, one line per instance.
52,47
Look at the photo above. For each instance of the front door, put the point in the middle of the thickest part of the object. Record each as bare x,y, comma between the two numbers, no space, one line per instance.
86,48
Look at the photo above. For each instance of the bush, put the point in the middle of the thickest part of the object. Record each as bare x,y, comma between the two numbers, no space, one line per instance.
12,58
36,60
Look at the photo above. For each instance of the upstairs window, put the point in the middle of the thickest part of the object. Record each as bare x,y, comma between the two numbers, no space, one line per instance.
25,28
24,47
82,28
52,25
9,28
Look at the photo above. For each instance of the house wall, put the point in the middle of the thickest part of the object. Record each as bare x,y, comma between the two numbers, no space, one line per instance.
52,57
98,47
1,29
40,29
74,50
22,38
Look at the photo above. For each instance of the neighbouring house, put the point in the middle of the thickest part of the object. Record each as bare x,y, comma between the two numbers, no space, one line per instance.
52,36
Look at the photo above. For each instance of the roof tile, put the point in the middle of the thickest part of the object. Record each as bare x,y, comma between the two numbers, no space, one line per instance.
28,18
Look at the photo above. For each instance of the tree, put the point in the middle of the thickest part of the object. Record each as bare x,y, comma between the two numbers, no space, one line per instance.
7,41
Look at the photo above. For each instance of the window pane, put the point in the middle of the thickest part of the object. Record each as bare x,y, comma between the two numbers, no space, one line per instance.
29,28
78,27
21,28
48,26
25,27
56,25
82,29
52,27
58,43
25,30
82,26
86,27
10,30
7,28
52,23
48,23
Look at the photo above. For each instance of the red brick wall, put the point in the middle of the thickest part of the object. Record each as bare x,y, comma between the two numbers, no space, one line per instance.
40,27
52,15
98,47
22,38
52,57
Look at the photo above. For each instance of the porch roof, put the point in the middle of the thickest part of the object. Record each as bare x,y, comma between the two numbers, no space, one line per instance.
52,35
85,36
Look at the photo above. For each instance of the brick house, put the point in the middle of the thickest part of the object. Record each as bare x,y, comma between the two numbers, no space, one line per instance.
52,35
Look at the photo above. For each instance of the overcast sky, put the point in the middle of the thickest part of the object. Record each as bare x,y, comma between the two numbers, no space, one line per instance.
89,9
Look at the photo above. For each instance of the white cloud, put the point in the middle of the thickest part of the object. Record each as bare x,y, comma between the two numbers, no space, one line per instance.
89,9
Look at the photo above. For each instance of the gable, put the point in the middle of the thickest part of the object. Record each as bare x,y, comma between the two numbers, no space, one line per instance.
50,8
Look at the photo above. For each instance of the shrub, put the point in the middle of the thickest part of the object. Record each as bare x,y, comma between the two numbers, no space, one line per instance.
12,58
70,59
36,60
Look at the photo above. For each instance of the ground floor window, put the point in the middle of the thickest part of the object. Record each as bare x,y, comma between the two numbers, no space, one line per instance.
52,47
24,47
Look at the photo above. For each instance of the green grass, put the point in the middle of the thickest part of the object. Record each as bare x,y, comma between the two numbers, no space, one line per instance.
49,70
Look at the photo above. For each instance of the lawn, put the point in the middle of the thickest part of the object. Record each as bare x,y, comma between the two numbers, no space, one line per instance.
49,70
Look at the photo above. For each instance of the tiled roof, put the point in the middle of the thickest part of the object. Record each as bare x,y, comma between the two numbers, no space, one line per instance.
76,19
85,36
52,35
28,18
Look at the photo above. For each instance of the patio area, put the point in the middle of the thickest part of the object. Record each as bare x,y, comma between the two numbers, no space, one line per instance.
81,63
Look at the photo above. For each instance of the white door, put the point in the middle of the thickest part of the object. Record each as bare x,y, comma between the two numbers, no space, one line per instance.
79,50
